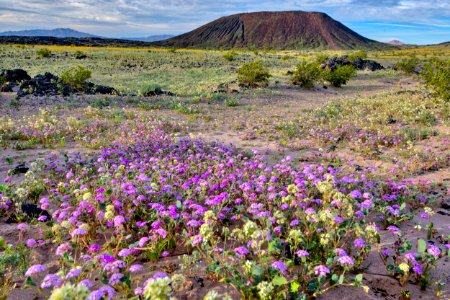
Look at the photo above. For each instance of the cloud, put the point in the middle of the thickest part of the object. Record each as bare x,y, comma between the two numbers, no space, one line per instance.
144,17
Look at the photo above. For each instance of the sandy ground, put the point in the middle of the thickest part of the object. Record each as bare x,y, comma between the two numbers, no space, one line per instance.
234,126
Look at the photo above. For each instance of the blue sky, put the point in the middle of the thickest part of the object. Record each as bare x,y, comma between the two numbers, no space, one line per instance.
410,21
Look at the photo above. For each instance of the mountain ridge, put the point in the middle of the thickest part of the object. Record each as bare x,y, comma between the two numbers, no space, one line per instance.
56,32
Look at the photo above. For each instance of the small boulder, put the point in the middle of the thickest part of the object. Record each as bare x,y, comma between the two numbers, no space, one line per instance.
104,90
16,75
33,211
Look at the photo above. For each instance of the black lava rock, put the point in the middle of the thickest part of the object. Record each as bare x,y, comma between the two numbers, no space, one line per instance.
20,169
16,75
33,211
360,64
50,85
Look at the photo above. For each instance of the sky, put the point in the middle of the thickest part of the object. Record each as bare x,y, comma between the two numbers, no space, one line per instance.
410,21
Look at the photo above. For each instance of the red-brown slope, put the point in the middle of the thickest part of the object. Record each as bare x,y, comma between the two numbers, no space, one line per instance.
273,30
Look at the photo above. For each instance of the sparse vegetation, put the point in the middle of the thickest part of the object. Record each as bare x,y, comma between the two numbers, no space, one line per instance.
313,183
436,75
44,52
407,65
253,75
305,74
339,76
361,54
76,77
230,56
151,90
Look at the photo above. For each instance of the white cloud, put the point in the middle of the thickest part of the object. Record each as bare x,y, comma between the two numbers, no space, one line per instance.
143,17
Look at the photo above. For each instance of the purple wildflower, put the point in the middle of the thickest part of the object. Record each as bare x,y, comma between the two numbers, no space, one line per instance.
346,261
279,265
321,270
51,280
35,269
302,253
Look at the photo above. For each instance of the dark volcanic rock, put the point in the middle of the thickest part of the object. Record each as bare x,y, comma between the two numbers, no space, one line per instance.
33,211
360,64
16,75
49,84
370,65
7,87
20,169
102,89
40,85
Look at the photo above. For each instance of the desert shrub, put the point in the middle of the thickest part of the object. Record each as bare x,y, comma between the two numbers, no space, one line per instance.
80,54
407,65
230,56
44,52
436,75
253,74
305,74
231,103
358,54
76,77
13,259
339,76
321,58
151,90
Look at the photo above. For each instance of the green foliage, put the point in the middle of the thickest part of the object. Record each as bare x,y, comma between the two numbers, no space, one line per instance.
79,54
76,77
2,80
321,58
151,89
230,56
436,75
44,52
339,76
407,65
172,50
253,74
305,74
358,54
14,259
231,103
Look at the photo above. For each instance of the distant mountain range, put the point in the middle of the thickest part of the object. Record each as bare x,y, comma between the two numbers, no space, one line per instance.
57,32
152,38
274,30
71,33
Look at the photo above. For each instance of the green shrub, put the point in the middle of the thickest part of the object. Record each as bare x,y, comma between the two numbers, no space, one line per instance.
230,56
172,50
339,76
305,74
358,54
407,65
76,77
79,54
321,58
436,75
285,57
44,52
253,74
231,103
2,80
151,90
